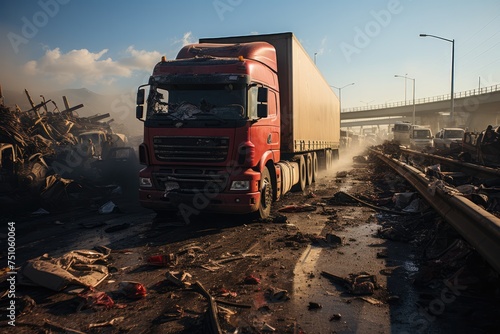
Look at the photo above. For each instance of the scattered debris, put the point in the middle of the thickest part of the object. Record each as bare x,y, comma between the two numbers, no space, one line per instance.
92,298
213,319
268,328
109,207
277,295
336,317
111,322
298,208
40,211
170,315
133,290
179,278
76,267
357,284
359,159
165,260
59,328
371,300
314,306
251,279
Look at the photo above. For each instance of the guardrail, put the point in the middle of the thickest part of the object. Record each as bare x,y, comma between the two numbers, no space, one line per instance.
479,227
471,92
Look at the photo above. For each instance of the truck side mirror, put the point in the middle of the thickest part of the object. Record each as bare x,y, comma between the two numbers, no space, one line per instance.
140,96
262,95
139,110
262,111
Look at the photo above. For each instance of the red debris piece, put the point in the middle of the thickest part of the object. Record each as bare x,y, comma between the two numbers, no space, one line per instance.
92,297
163,260
251,279
223,292
133,289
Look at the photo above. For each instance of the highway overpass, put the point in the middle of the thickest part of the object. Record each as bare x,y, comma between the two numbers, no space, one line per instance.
474,109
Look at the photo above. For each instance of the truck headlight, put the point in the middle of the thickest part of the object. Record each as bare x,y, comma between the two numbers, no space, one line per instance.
145,182
240,185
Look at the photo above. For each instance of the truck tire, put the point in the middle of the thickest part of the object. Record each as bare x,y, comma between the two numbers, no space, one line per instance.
315,166
301,185
309,168
266,194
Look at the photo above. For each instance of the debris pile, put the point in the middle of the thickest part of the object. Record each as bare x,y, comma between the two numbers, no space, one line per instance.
39,130
46,142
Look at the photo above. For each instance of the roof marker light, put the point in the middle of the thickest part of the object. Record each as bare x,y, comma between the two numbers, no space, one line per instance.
240,58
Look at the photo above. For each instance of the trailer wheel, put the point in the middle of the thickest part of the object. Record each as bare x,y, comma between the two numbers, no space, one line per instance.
309,168
314,166
328,160
301,185
266,194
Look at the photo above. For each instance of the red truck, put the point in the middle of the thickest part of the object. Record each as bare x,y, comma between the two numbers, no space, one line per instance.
234,123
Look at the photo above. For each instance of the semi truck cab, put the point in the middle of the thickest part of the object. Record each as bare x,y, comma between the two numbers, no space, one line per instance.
211,127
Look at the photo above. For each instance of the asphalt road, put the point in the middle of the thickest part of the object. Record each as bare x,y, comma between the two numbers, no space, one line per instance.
277,273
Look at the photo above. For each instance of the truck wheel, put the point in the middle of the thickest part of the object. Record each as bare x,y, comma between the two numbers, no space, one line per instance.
309,168
266,194
314,166
301,185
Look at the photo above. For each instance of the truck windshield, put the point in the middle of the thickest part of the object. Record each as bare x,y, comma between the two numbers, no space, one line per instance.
422,134
185,102
454,134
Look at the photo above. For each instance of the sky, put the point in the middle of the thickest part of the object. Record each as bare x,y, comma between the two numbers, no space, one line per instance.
111,47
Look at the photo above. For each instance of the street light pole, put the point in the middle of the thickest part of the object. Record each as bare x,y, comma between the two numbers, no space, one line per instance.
315,53
405,77
340,93
452,97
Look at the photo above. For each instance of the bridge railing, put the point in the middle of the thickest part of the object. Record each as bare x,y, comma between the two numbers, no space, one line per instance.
471,92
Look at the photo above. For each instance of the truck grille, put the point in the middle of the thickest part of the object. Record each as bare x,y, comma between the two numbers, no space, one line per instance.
191,179
191,149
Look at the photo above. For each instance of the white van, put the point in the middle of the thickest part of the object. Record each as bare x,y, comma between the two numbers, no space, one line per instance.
420,137
446,136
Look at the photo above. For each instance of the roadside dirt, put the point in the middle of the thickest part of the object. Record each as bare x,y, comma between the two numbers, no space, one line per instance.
284,275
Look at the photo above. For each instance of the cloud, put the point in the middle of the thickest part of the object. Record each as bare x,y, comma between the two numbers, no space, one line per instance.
83,67
93,69
141,60
321,50
186,39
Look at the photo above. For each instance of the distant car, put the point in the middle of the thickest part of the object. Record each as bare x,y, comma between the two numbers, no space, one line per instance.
446,136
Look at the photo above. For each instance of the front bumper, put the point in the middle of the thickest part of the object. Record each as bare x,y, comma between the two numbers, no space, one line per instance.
196,202
199,189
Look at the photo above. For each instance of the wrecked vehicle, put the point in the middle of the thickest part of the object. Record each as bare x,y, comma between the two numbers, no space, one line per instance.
16,172
121,166
481,147
99,138
447,136
8,163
